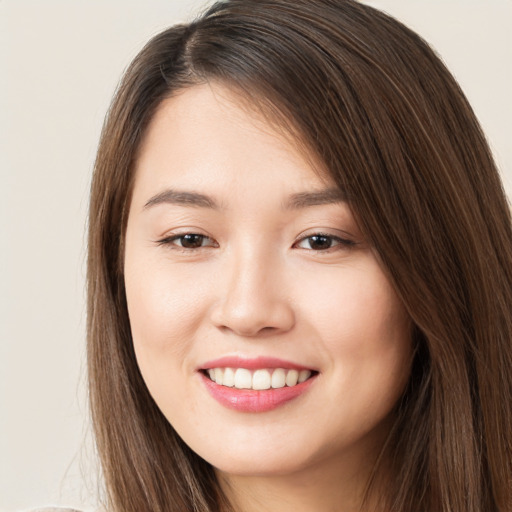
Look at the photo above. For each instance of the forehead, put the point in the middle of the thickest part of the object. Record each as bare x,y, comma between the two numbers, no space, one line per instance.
205,136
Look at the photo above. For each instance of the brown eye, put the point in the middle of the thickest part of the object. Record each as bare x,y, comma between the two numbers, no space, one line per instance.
319,242
188,241
323,242
191,241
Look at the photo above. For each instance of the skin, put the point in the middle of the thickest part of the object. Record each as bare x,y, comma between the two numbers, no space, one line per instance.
257,285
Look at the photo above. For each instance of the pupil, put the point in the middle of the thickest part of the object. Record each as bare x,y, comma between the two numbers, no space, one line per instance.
192,241
319,242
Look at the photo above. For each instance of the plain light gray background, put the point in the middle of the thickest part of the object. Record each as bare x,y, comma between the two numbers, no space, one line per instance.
59,64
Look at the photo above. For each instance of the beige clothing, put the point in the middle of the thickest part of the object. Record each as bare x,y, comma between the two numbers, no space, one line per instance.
55,509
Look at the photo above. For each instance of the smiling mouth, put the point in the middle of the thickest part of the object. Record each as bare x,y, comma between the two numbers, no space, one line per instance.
259,379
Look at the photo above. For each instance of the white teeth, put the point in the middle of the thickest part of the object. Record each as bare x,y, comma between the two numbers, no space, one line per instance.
242,378
291,377
278,378
229,378
219,375
303,375
261,380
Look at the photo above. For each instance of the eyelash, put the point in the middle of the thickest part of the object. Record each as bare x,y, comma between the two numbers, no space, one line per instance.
336,242
171,241
339,243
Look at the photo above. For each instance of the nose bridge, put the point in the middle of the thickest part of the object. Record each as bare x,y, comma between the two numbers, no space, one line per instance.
254,296
251,274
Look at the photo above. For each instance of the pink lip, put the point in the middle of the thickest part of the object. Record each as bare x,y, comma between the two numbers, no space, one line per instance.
252,364
250,400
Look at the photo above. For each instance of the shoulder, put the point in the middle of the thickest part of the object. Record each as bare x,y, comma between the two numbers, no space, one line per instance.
65,509
54,509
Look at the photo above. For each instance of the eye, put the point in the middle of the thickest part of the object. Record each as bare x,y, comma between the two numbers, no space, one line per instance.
322,242
188,241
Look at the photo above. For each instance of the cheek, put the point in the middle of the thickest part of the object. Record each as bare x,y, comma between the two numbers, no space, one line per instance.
166,307
366,335
356,308
163,304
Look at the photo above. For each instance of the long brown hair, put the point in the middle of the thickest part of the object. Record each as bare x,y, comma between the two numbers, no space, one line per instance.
372,100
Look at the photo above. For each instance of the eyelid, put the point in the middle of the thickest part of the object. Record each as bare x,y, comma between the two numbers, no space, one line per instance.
170,238
342,237
342,240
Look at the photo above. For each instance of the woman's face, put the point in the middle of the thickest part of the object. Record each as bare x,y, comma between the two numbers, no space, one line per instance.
244,266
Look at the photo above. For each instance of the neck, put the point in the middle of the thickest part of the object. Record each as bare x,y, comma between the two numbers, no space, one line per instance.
327,487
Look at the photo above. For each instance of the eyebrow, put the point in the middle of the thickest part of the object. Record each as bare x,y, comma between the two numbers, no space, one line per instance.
183,198
306,199
197,200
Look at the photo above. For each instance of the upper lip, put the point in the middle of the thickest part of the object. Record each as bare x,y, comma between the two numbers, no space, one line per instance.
252,363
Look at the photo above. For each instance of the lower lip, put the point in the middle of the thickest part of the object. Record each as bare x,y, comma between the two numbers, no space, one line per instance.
249,400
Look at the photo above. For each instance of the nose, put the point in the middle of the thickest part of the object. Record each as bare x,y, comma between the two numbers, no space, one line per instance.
253,299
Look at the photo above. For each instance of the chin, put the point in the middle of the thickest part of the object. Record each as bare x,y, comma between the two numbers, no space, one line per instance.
263,459
252,467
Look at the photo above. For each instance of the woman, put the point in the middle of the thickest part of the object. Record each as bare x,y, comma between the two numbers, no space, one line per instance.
299,273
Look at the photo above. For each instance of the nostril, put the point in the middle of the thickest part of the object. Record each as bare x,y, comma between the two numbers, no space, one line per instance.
258,311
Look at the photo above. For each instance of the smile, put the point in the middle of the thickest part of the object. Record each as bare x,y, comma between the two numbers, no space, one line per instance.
259,379
255,385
